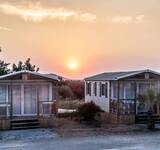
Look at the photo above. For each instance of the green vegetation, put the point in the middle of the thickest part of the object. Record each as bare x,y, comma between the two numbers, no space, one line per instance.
24,66
71,90
150,99
6,68
88,111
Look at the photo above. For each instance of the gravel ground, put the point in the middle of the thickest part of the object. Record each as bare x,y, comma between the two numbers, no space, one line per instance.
30,134
46,139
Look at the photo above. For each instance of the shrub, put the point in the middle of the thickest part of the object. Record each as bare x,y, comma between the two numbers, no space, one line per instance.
65,92
78,89
88,111
73,89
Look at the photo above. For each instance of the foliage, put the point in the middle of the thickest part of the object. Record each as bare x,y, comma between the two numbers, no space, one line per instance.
24,66
158,98
76,86
65,92
4,68
142,97
88,111
150,98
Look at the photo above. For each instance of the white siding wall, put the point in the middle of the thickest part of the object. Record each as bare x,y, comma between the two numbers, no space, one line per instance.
101,101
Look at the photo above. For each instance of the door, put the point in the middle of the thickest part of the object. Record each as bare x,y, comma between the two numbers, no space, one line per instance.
24,100
16,100
30,100
43,98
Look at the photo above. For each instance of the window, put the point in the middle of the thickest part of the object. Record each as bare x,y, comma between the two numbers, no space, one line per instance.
103,89
3,99
115,89
143,87
3,93
95,88
127,90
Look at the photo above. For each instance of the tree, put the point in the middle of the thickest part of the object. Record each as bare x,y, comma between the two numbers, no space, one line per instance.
4,66
78,89
24,66
75,86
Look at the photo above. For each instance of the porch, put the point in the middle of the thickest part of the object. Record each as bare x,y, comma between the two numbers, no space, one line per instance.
124,96
22,100
45,108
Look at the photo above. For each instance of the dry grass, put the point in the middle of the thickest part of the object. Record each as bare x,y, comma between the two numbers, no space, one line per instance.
70,104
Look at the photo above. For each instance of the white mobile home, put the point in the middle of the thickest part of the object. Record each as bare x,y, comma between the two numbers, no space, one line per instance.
26,94
117,92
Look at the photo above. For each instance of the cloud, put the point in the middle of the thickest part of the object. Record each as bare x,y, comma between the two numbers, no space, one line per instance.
126,19
139,18
5,28
35,12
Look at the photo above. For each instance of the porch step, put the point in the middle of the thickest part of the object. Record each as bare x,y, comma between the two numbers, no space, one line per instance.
143,119
24,123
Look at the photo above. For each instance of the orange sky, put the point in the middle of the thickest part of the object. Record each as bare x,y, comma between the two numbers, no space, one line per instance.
97,35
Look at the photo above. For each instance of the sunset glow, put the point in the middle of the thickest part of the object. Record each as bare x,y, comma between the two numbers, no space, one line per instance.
81,38
73,65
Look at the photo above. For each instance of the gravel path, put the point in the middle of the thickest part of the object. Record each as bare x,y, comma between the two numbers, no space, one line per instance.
46,139
30,134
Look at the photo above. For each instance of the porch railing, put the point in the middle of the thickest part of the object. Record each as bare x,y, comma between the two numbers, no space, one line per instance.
47,108
4,109
123,106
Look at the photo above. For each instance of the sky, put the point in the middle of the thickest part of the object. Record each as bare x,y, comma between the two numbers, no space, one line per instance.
79,38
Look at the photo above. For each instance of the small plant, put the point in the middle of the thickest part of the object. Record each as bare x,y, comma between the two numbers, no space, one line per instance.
150,98
88,111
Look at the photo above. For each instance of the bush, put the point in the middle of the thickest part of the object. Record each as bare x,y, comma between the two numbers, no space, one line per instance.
77,88
88,111
65,92
71,89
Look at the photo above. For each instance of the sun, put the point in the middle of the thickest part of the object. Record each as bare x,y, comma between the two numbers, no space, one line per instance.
73,65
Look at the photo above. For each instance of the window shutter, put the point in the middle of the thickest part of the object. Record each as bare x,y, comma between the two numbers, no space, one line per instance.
100,89
106,90
95,84
90,88
86,88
